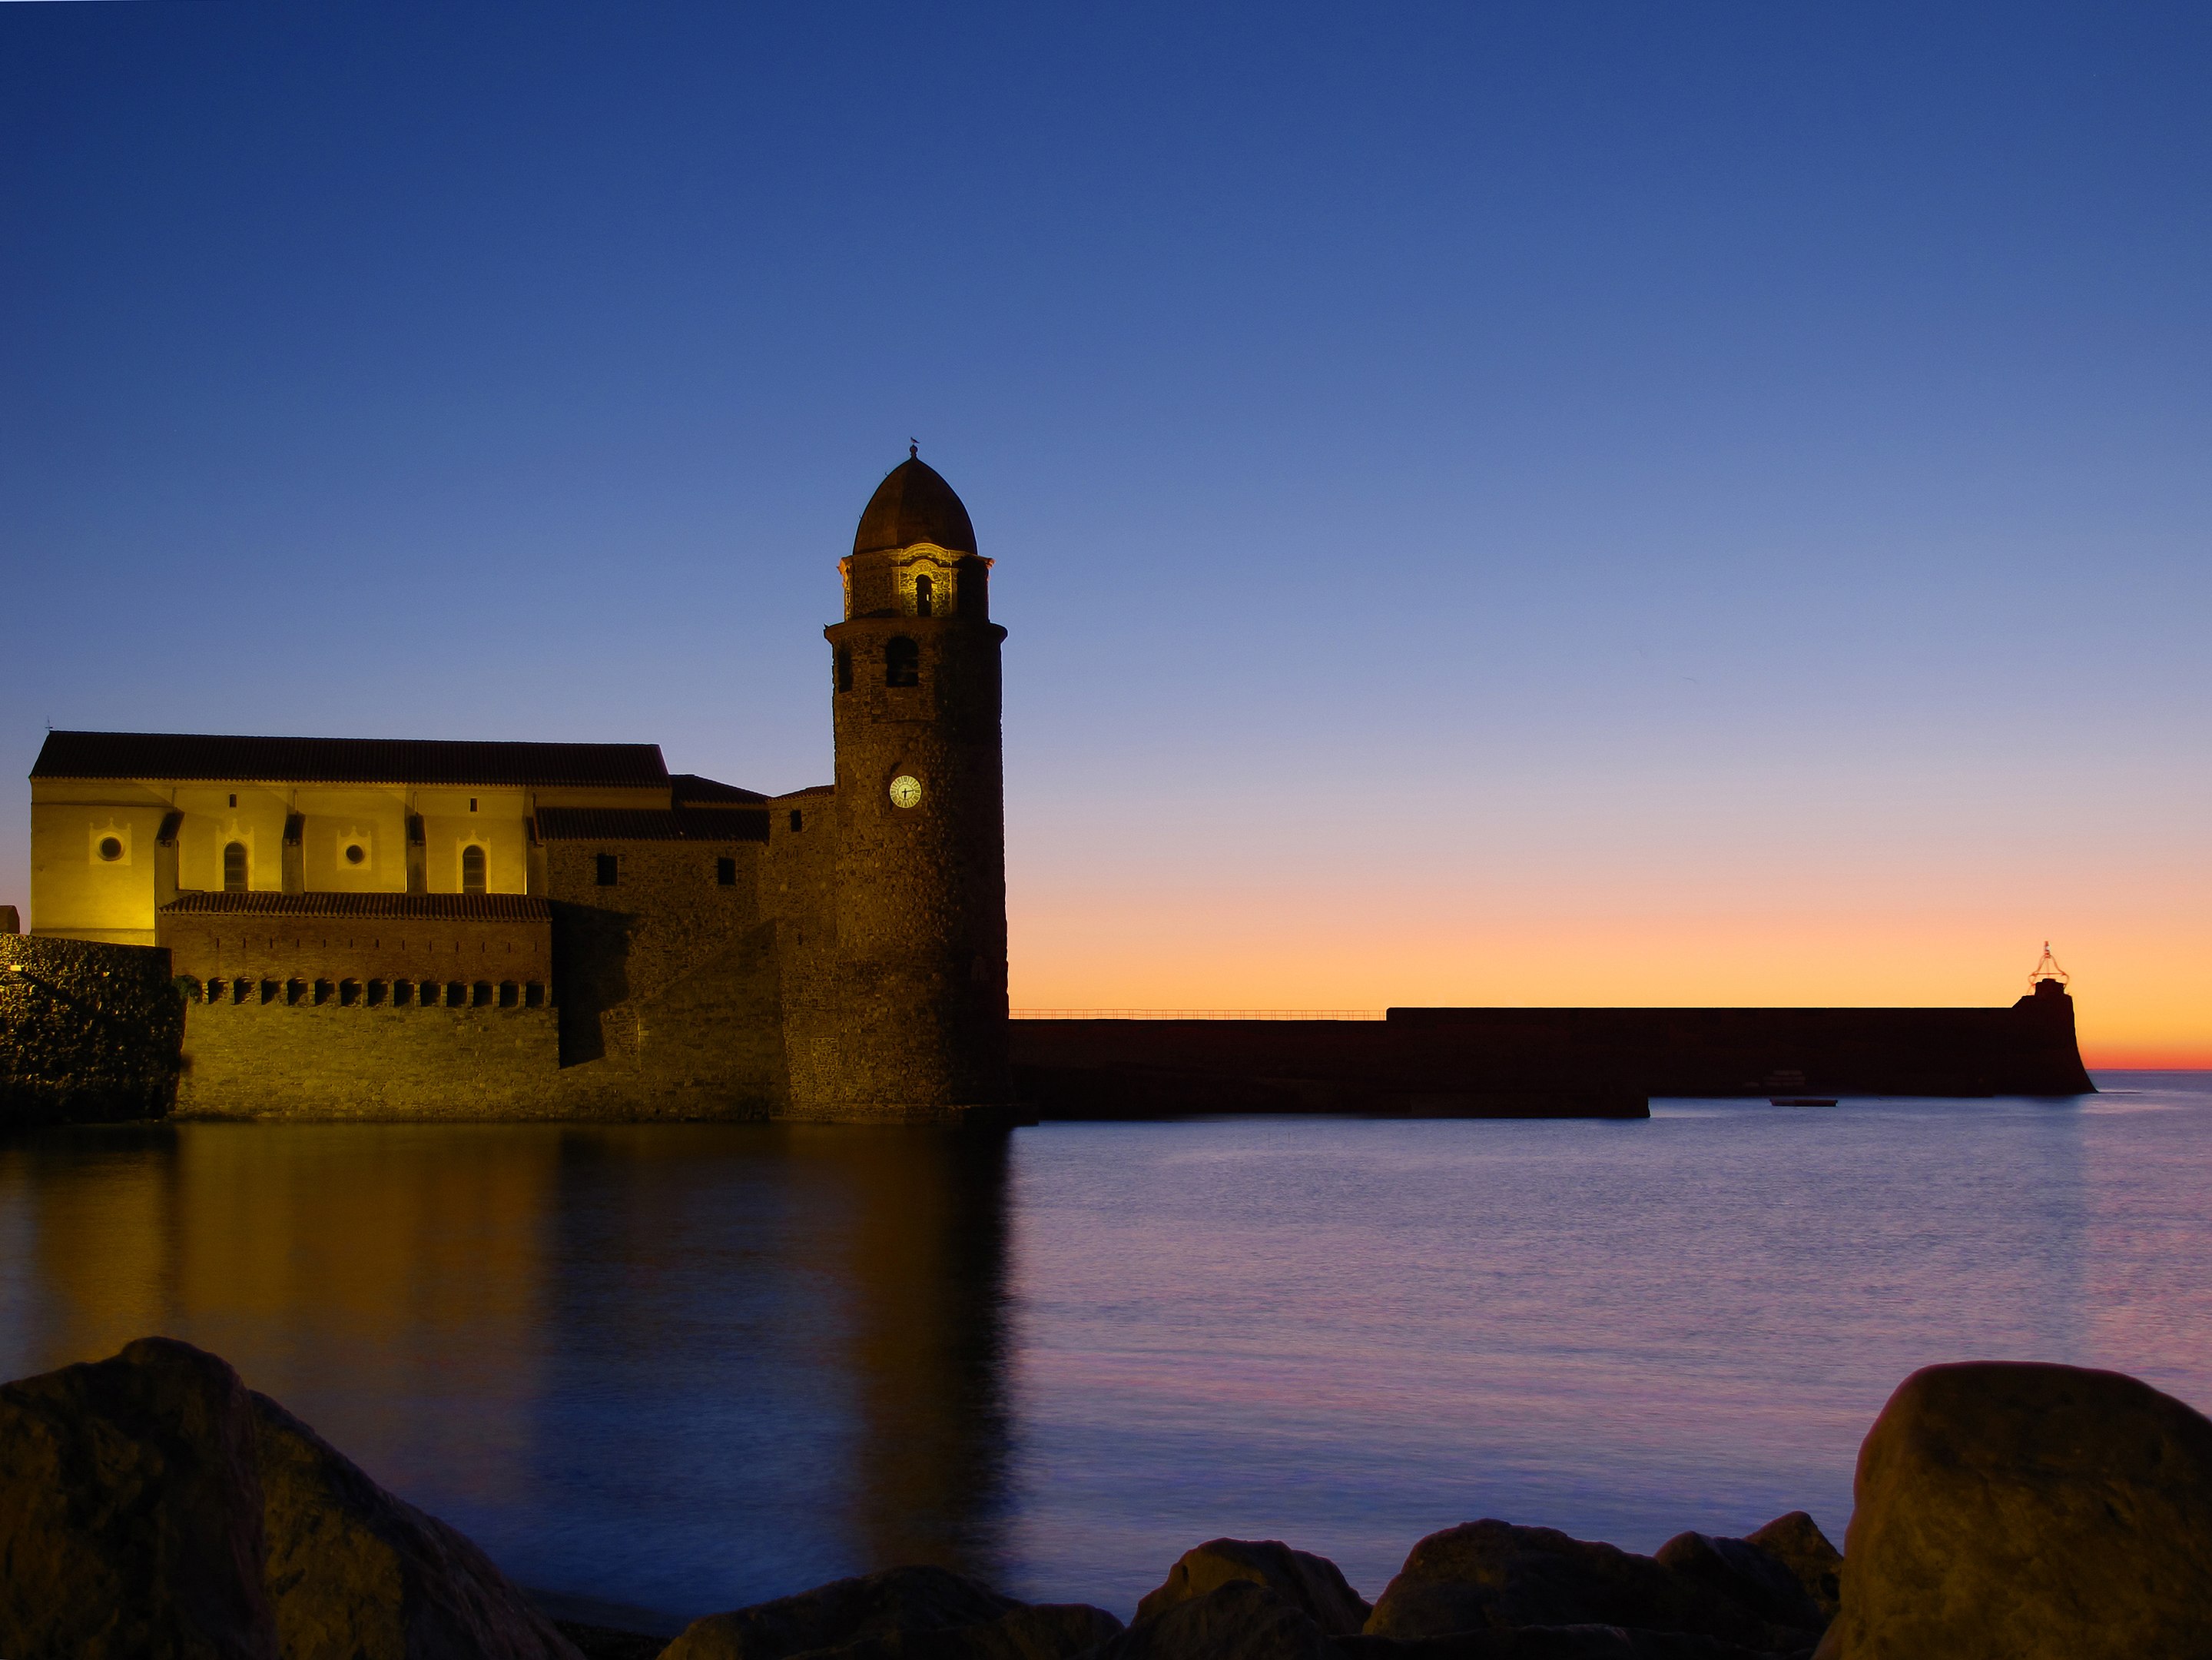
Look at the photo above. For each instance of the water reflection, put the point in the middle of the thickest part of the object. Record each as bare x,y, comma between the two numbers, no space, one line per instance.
687,1367
673,1367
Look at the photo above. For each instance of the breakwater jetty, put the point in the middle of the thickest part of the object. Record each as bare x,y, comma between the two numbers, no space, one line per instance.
1564,1062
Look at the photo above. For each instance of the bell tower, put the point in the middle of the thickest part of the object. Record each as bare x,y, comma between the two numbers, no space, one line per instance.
919,985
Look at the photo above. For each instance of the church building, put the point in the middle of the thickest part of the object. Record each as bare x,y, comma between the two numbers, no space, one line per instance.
421,928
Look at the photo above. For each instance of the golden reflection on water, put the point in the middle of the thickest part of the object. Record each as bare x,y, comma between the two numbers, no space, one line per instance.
414,1291
687,1367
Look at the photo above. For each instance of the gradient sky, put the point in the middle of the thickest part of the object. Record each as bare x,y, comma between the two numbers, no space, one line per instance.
1493,503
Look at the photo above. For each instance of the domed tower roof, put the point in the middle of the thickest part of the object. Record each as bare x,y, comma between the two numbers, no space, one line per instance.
913,504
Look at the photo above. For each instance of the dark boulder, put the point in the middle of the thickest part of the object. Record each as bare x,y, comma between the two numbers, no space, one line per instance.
1737,1571
1796,1541
353,1573
1239,1619
610,1642
1493,1574
1307,1583
1553,1642
2029,1512
841,1613
1043,1631
152,1505
130,1521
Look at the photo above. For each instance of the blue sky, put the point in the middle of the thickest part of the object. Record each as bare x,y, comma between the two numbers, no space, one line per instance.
1485,497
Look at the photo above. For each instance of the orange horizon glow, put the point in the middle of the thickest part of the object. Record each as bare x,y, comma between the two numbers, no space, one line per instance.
2141,1000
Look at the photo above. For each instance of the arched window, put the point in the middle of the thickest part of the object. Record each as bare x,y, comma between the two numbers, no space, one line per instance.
902,662
844,668
925,594
472,868
233,867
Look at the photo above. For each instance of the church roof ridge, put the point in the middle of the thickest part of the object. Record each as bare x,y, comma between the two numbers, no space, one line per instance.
691,790
345,760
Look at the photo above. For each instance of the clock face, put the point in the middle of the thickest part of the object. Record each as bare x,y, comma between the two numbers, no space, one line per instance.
906,790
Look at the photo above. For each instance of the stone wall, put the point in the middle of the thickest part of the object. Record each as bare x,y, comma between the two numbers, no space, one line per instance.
919,890
282,1061
1541,1062
666,1003
666,917
797,882
282,939
88,1033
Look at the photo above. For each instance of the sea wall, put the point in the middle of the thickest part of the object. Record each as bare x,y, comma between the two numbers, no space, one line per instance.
332,1060
1539,1062
88,1032
706,1046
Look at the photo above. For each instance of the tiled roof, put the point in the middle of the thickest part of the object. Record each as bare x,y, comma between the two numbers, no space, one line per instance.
650,824
692,791
401,907
344,760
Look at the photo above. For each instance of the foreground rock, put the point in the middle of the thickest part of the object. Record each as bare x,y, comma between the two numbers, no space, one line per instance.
1799,1546
1493,1575
1239,1619
2018,1513
1310,1583
130,1519
1552,1643
1738,1571
151,1506
899,1613
353,1573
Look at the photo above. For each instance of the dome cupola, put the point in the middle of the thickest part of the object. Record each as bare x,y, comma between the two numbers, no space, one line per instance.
913,504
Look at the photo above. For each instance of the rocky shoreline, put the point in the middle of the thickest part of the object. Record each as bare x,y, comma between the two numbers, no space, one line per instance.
152,1505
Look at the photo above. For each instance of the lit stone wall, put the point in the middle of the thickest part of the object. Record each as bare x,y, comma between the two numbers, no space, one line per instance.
667,982
280,1061
920,1003
77,894
282,949
88,1032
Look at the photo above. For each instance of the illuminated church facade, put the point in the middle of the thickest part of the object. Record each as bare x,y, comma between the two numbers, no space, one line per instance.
416,928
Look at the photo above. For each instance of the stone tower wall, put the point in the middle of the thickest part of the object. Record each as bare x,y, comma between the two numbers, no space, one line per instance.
919,896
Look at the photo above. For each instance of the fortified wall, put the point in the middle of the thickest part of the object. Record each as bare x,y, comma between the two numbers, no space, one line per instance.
1542,1062
642,982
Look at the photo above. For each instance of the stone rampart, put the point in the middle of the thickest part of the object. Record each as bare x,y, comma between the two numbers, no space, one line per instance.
707,1046
1541,1062
330,1060
278,943
88,1033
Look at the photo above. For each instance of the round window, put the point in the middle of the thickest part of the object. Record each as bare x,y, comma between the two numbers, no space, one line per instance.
356,853
111,848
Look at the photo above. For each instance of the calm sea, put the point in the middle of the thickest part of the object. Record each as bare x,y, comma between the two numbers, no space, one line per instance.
682,1369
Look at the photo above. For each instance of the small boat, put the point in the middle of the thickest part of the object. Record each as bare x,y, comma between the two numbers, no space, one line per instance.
1801,1100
